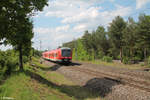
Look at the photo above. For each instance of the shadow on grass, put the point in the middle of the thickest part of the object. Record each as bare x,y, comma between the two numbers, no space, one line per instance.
97,87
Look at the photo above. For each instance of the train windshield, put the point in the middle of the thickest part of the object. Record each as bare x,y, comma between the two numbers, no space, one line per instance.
66,53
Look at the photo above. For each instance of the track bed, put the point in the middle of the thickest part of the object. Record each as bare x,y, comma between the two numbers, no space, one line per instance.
111,83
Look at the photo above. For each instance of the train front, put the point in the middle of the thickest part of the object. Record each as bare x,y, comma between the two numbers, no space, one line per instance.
66,54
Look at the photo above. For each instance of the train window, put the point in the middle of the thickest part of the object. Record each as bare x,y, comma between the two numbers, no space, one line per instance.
55,54
66,52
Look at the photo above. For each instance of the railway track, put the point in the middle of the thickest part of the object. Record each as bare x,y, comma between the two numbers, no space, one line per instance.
120,79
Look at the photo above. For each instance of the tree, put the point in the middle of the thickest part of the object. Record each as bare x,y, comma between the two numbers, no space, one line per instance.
130,37
101,40
16,25
21,39
144,33
87,41
81,52
116,33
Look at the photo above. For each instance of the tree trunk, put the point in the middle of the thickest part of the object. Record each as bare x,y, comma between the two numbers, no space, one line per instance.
20,58
121,54
145,53
131,52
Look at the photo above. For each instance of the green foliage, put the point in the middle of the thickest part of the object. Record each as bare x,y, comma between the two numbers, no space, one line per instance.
100,40
92,57
100,54
81,53
148,61
36,53
17,27
142,64
8,61
116,33
107,59
87,41
129,39
144,31
136,58
126,60
2,59
25,59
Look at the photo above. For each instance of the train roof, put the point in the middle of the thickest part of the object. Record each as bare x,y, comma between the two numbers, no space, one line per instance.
64,48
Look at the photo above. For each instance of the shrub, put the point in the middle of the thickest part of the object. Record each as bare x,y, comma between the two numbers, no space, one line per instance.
2,59
126,60
118,57
136,59
25,59
100,54
107,59
148,61
142,64
11,63
8,61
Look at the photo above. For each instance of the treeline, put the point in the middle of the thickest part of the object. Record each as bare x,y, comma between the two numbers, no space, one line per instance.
128,41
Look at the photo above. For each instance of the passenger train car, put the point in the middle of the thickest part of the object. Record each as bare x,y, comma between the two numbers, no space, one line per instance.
63,54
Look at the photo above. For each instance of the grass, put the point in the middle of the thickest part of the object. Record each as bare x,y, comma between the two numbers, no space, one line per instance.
66,86
117,64
16,87
38,84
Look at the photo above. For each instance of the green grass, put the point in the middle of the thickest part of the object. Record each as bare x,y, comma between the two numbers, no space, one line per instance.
38,84
16,87
117,64
65,85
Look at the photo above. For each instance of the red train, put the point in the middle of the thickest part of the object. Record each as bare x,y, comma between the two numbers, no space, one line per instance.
63,54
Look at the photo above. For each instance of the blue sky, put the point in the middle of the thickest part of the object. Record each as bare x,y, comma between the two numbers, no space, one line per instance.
65,20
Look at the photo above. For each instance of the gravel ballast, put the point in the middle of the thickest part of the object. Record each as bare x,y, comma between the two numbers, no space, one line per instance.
107,88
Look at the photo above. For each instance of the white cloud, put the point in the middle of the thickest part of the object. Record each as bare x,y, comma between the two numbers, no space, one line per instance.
141,3
46,30
80,28
121,11
62,28
52,37
67,8
90,13
79,15
81,11
102,18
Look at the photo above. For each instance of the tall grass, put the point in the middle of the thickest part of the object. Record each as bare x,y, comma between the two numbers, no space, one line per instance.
38,84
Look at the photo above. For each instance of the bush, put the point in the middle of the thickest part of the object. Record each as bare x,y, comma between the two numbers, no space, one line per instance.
142,64
2,59
136,59
118,57
25,59
148,61
107,59
8,61
126,60
100,54
11,63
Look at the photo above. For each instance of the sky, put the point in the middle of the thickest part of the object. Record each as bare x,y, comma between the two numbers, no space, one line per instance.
65,20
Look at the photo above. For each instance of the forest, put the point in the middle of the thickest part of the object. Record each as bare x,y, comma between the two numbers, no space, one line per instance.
127,41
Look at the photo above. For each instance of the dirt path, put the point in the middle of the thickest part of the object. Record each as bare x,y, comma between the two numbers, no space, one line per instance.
107,88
